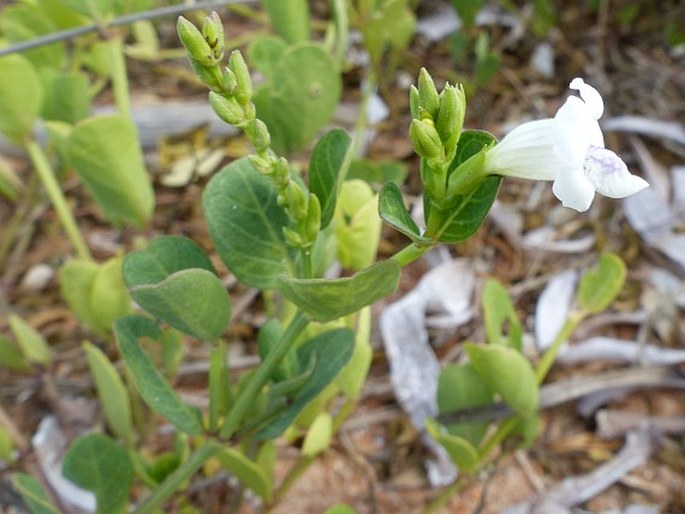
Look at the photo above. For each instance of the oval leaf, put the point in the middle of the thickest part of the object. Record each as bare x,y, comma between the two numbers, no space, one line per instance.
193,301
300,98
111,391
163,257
325,166
95,292
98,464
153,387
32,344
330,352
497,309
33,494
326,300
392,210
21,97
600,286
246,224
247,471
462,452
463,215
460,387
509,374
106,154
290,18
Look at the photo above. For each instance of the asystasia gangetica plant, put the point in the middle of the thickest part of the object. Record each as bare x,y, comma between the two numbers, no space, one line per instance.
280,233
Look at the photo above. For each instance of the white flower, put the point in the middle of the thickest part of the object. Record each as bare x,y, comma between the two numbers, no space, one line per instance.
568,149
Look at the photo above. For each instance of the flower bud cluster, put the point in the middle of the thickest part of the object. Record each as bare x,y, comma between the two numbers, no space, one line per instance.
438,119
435,131
230,96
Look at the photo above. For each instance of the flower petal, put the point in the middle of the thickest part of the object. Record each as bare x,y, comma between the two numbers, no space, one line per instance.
609,175
575,130
525,152
591,97
573,189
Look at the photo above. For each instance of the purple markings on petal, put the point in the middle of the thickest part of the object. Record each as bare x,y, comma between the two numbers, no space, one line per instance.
600,160
609,174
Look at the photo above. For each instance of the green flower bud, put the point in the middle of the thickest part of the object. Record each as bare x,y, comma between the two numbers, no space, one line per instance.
414,101
243,91
263,166
450,119
296,201
228,109
209,75
428,95
281,173
425,139
230,83
292,238
313,221
213,33
194,42
261,139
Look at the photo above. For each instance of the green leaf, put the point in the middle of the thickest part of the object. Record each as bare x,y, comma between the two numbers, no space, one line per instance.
32,344
461,387
96,293
390,26
265,54
330,351
392,210
509,374
358,227
163,257
462,214
468,10
93,9
351,378
300,98
325,165
193,301
498,309
11,357
33,494
98,464
153,388
247,471
6,446
21,23
111,392
67,96
290,18
326,300
599,287
21,97
268,338
377,172
341,508
318,438
246,224
112,168
463,453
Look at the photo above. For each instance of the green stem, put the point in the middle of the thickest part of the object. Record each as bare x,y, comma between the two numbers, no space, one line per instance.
410,253
547,360
500,435
257,381
174,481
47,177
217,383
444,497
291,478
119,76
